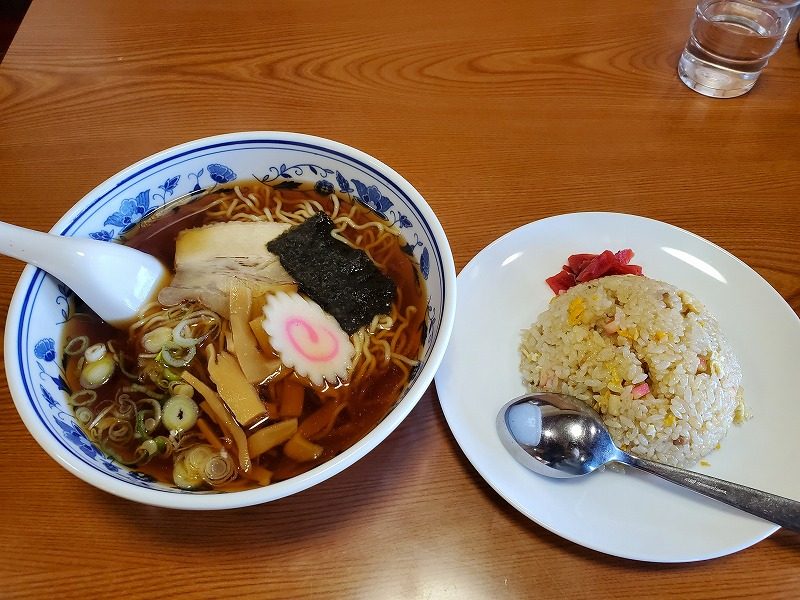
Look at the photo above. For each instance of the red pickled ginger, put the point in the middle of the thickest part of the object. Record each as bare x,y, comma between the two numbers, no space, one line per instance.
581,268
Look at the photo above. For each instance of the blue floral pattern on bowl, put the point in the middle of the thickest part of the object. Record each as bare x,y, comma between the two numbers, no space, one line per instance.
123,201
131,210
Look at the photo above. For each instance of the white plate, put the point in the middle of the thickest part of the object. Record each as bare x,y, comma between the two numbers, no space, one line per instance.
632,515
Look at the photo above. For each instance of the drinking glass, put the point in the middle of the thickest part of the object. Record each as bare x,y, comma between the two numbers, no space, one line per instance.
730,43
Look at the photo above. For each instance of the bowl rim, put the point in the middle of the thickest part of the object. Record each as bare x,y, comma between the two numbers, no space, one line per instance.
260,495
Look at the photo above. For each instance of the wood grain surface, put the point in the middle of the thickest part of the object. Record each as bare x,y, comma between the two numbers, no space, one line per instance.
500,113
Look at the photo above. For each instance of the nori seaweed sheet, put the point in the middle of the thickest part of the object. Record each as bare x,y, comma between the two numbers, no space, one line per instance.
342,280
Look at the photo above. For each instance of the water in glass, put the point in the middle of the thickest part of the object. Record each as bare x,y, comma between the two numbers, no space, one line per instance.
731,42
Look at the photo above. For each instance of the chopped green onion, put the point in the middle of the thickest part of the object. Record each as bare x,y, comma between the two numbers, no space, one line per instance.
150,446
94,374
171,375
177,356
141,431
161,442
179,388
203,463
219,469
76,345
147,420
179,338
180,413
197,457
185,478
143,389
154,340
83,414
95,353
120,432
205,320
83,398
121,358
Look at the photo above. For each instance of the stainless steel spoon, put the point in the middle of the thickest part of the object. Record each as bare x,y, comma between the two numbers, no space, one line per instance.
559,436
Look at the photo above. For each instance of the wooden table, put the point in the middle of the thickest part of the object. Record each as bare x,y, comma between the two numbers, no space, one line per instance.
500,114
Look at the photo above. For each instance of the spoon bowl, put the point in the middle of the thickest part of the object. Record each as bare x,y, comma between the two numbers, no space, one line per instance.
113,280
559,436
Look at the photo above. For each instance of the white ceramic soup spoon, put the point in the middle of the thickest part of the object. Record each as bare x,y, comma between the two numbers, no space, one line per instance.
113,280
559,436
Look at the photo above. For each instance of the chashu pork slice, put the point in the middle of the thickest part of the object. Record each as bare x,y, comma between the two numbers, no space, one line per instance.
209,258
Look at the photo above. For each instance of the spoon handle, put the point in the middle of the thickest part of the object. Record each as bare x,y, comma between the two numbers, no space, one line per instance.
31,246
777,509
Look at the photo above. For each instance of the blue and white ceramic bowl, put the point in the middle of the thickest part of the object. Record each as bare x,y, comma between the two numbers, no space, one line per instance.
41,304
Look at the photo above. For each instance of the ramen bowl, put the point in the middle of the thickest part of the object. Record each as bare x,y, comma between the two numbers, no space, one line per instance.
41,305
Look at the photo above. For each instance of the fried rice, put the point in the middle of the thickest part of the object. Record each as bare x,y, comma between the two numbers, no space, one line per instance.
648,357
